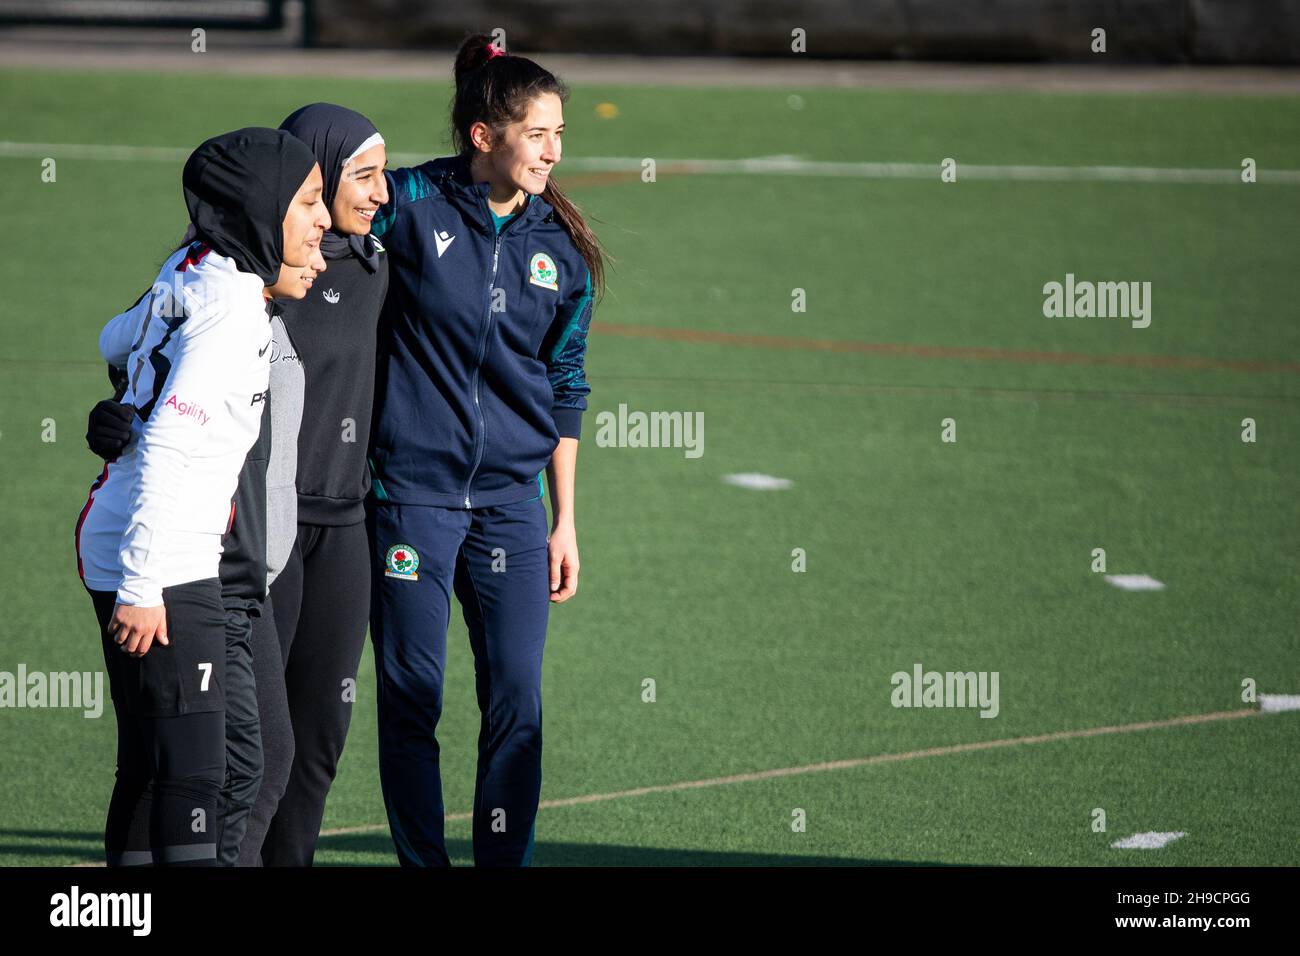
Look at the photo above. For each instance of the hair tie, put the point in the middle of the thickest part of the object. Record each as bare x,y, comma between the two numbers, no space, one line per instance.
494,51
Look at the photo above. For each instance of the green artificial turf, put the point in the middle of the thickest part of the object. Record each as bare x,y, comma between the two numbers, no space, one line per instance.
973,555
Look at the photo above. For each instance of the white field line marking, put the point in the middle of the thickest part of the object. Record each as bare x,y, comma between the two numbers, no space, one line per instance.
794,166
839,765
1135,582
856,762
1147,841
1276,703
762,166
757,481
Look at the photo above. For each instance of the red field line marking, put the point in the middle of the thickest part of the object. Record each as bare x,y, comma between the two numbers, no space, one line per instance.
1022,356
1024,394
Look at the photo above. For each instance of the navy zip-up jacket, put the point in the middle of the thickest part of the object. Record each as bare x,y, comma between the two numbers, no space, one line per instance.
483,340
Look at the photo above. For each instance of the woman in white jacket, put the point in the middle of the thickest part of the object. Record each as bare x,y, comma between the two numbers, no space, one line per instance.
149,537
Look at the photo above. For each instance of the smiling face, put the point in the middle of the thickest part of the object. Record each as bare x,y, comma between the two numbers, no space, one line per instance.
521,156
306,220
294,282
362,190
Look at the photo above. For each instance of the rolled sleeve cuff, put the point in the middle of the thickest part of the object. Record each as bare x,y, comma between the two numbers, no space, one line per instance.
139,592
568,422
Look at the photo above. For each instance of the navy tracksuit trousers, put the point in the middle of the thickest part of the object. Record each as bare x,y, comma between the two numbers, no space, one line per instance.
495,561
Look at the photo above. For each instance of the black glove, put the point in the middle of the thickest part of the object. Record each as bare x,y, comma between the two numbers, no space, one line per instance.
109,428
117,378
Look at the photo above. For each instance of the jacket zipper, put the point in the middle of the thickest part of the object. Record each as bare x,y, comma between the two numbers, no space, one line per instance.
478,365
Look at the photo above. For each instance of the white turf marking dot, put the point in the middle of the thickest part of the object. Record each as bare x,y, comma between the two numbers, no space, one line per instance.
1147,841
758,482
1135,582
1276,703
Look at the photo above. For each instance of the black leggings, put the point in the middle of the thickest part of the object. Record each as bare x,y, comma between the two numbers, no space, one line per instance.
244,743
170,768
275,729
321,602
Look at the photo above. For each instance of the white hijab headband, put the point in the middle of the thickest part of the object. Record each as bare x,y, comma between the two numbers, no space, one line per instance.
375,140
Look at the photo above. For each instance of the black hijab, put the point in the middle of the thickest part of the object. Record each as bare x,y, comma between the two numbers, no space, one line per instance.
238,187
335,134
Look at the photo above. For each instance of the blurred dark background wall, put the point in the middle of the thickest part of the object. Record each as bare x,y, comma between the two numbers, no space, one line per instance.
1204,31
1136,31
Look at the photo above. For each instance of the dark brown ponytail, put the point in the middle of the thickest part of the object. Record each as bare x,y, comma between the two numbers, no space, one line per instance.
496,90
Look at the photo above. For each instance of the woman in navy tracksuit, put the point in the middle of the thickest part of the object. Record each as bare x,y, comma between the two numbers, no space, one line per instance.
480,387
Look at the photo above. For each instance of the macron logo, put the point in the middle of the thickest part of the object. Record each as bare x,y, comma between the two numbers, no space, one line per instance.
442,241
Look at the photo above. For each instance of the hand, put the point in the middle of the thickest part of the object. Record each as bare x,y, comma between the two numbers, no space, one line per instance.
134,629
562,546
109,428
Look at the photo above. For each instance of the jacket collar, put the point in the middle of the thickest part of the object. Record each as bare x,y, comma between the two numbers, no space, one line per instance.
451,175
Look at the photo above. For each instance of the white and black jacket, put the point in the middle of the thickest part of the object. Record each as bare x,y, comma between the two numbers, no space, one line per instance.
196,348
